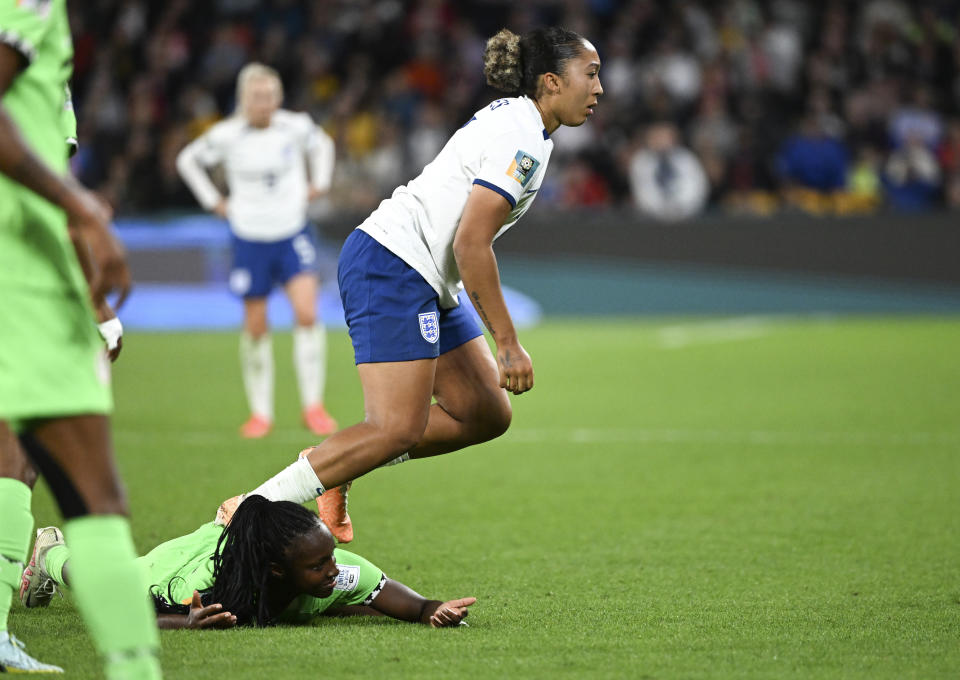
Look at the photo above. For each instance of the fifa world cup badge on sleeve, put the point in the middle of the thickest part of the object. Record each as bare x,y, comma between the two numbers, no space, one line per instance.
348,578
522,167
429,327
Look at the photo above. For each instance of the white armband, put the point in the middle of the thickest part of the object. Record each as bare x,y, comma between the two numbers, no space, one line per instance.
111,331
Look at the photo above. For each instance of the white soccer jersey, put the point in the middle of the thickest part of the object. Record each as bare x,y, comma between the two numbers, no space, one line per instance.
504,147
265,171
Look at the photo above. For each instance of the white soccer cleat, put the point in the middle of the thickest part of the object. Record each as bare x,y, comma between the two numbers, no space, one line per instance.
14,660
37,588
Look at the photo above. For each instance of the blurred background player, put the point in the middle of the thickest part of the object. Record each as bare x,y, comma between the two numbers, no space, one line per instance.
262,149
275,562
400,274
54,373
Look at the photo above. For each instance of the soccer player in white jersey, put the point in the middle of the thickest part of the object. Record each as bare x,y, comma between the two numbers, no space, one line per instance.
401,270
263,149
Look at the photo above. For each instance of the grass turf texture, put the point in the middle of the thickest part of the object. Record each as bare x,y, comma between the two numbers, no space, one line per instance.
683,498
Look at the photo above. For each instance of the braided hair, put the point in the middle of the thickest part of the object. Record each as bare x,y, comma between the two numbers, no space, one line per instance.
260,533
514,63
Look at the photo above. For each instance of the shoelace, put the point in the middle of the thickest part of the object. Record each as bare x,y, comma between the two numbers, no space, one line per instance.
47,588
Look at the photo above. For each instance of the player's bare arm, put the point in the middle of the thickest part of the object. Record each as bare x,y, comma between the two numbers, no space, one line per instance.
483,215
85,212
200,617
401,602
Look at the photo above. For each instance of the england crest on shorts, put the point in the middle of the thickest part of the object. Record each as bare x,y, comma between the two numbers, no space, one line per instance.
429,327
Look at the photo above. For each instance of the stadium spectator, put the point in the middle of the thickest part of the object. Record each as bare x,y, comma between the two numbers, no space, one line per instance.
912,176
949,156
667,180
757,61
812,166
263,151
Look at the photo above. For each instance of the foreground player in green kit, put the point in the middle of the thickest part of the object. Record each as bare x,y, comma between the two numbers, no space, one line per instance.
274,562
54,374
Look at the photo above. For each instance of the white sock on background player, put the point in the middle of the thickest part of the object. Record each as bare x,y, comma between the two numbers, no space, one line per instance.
256,360
310,362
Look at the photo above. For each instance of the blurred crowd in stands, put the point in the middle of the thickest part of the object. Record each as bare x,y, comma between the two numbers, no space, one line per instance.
735,106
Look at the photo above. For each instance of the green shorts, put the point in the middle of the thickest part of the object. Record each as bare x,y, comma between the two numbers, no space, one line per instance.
52,359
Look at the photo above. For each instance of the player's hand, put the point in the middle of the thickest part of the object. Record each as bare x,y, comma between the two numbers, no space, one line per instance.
220,209
210,616
516,369
451,612
89,216
313,194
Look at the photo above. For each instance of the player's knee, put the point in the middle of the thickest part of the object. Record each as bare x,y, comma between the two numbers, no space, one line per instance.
496,418
305,317
255,330
401,438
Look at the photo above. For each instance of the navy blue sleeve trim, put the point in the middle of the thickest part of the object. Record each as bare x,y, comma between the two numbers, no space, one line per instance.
502,192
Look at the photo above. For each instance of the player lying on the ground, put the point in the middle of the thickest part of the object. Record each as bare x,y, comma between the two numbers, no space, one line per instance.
275,562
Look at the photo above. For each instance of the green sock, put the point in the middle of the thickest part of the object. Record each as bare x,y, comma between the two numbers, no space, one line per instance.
53,562
16,523
109,588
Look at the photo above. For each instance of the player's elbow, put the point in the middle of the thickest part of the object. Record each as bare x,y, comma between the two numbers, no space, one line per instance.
185,163
464,246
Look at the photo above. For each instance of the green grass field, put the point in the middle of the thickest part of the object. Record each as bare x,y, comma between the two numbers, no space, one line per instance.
681,498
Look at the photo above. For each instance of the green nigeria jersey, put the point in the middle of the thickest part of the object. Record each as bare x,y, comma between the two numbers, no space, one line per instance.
178,567
38,101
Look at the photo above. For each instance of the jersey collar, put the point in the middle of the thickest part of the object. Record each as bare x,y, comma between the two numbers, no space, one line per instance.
536,113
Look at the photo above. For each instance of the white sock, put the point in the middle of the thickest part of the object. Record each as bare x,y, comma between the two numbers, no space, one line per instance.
403,458
310,362
297,483
256,361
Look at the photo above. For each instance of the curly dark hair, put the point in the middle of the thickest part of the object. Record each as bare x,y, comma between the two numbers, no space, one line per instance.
513,63
260,533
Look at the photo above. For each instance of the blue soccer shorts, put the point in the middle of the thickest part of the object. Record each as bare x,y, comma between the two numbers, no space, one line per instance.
392,313
259,265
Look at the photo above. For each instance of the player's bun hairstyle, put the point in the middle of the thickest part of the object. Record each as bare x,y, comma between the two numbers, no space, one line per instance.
257,538
513,63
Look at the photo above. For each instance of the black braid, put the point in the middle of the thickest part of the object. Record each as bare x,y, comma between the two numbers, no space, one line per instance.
259,534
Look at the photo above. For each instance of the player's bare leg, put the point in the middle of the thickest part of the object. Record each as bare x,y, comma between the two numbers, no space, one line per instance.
17,478
14,463
396,398
310,352
75,456
397,401
470,407
256,359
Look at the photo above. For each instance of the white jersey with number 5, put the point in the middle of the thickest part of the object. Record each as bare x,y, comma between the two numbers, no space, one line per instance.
265,171
504,147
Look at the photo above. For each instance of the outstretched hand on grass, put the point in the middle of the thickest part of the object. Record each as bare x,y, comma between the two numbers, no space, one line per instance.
451,612
209,616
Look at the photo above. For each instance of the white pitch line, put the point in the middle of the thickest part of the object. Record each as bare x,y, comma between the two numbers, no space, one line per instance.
583,435
719,330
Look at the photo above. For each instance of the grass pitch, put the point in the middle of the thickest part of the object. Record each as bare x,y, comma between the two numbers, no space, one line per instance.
692,498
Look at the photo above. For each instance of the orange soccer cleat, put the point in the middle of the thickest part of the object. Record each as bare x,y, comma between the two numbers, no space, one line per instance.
319,421
227,508
255,428
332,508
